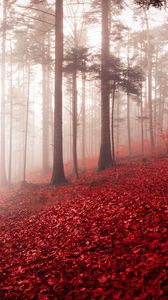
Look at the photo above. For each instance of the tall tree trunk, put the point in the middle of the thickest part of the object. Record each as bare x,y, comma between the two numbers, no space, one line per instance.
149,57
142,124
128,104
11,118
112,124
58,176
105,158
3,179
128,125
83,120
26,128
74,122
155,100
118,125
45,123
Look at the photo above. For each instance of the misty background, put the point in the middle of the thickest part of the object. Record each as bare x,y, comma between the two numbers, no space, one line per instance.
138,81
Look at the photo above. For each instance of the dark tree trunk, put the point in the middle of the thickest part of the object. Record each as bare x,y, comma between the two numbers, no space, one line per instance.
3,179
118,125
26,128
58,176
142,125
11,119
128,125
105,158
83,120
45,123
74,122
112,124
149,58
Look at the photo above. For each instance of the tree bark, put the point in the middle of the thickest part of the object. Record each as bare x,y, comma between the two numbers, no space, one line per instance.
112,124
74,122
128,125
3,179
83,120
105,158
58,176
45,123
27,124
149,58
142,125
11,118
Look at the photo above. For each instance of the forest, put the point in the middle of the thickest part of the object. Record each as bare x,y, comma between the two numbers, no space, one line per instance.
83,149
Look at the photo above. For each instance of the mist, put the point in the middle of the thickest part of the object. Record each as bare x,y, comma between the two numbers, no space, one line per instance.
137,86
83,149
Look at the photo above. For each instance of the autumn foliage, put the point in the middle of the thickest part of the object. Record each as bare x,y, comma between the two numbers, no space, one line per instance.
103,237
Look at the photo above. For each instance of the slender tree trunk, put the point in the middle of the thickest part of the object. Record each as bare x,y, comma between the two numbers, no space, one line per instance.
142,125
128,125
70,117
3,179
112,125
11,118
145,111
163,97
128,105
92,127
83,120
149,57
74,122
26,128
45,123
118,125
105,158
58,176
155,101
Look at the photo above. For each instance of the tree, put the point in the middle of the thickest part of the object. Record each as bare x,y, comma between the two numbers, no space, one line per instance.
149,63
115,79
58,176
105,157
150,3
41,54
75,59
3,179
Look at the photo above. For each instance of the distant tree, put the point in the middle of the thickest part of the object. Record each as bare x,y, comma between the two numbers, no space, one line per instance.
150,3
132,84
75,61
40,52
11,117
3,179
115,81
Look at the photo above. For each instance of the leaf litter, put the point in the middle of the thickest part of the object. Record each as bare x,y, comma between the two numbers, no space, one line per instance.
95,238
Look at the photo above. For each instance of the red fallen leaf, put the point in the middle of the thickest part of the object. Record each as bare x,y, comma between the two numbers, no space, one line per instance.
128,270
117,295
98,292
113,276
43,288
38,280
102,279
7,288
42,297
20,269
25,281
52,281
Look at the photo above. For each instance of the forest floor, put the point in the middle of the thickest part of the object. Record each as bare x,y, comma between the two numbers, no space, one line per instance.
104,236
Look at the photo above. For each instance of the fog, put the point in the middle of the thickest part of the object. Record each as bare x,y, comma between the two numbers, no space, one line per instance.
137,80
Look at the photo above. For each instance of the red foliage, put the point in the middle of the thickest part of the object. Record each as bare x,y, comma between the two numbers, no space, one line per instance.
103,237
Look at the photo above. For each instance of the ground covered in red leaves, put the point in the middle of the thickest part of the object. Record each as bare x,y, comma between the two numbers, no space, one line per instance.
104,236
